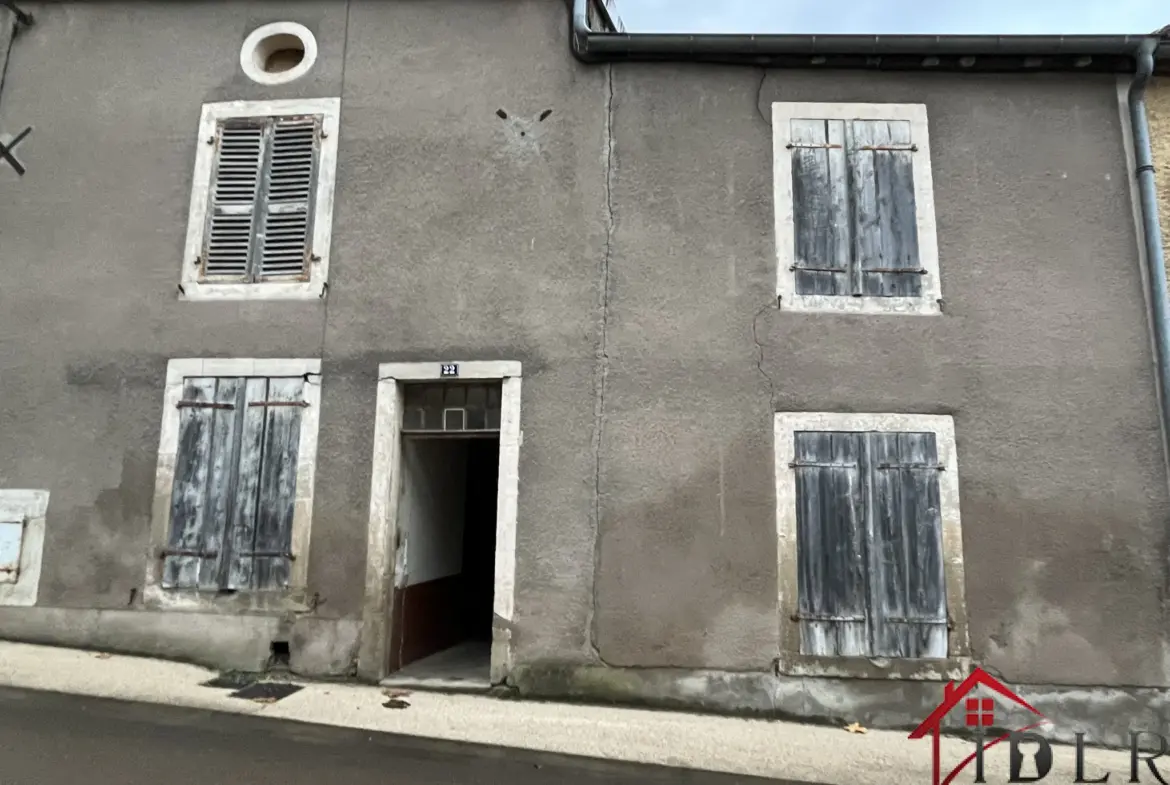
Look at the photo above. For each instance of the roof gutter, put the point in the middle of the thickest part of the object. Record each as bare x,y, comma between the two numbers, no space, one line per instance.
967,52
1151,229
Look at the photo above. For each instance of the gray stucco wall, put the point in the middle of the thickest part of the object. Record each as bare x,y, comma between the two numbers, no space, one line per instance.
456,237
1042,357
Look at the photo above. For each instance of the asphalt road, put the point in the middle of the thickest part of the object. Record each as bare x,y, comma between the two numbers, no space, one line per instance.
55,739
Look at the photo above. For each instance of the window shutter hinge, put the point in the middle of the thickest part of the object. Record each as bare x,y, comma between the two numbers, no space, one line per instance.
941,304
196,552
314,257
203,405
211,139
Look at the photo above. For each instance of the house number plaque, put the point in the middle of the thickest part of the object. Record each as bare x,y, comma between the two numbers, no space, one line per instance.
448,369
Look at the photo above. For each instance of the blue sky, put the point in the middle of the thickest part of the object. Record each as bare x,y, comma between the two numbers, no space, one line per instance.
894,16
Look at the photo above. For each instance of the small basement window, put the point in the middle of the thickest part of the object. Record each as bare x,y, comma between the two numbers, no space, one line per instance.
11,540
22,538
278,53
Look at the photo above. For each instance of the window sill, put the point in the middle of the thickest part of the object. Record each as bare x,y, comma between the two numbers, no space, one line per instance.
808,665
819,303
195,291
239,603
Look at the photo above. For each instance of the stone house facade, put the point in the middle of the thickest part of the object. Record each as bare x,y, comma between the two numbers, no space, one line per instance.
761,376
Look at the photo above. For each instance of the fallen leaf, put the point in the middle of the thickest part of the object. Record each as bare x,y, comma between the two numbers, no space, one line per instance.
855,727
265,700
395,703
101,655
391,692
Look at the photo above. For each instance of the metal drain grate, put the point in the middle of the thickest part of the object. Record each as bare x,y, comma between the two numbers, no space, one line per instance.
267,691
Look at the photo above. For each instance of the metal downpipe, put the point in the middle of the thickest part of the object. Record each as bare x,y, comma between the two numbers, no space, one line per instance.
1151,225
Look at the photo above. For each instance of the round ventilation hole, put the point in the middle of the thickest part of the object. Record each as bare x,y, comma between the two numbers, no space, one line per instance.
278,53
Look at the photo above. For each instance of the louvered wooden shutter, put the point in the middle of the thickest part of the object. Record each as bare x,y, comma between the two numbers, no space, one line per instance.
235,484
289,185
832,548
260,212
910,589
854,210
232,207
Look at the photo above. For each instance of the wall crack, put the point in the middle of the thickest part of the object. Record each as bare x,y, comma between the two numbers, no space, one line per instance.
760,359
601,358
760,97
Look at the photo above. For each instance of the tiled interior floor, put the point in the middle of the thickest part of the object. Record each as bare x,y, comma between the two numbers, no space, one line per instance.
464,667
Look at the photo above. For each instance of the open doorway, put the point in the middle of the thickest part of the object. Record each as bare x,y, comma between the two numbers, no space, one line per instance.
441,614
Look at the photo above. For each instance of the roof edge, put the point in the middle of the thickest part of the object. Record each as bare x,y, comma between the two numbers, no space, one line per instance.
1000,52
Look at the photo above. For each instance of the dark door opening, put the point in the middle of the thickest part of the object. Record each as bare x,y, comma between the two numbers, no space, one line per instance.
441,626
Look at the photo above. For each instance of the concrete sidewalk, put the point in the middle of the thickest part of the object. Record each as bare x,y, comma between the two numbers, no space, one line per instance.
751,747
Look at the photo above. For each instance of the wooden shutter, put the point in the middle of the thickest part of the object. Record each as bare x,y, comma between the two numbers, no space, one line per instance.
820,202
277,484
235,484
204,472
232,202
885,223
854,211
260,210
832,551
909,588
290,180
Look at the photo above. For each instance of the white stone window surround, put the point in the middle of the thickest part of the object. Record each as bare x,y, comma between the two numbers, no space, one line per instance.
790,660
252,52
783,113
292,598
385,487
194,289
29,506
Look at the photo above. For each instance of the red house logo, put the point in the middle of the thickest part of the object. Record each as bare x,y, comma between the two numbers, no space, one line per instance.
980,714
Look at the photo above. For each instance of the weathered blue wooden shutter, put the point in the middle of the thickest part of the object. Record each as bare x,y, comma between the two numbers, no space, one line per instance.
906,568
230,233
289,183
235,484
204,474
885,225
832,549
262,530
820,203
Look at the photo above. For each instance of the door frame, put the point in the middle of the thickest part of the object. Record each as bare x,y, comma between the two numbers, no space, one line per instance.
385,491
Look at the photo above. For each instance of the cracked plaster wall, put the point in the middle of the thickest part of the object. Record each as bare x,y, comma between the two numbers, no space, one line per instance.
458,234
1042,357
